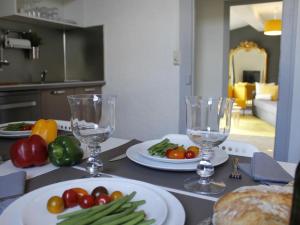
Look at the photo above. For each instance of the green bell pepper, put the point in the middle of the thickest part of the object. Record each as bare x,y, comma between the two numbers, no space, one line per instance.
65,151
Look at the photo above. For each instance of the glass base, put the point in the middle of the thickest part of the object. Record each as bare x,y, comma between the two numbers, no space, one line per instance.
203,186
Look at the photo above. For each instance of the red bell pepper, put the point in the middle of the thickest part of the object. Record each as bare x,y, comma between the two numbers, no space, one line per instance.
28,152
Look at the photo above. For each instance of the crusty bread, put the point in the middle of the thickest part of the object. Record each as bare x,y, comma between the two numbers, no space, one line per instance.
254,205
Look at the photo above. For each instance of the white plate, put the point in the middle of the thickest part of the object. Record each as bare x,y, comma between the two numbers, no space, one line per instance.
148,144
134,154
31,208
4,133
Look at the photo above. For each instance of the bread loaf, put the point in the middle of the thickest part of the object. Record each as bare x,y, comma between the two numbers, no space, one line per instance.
254,205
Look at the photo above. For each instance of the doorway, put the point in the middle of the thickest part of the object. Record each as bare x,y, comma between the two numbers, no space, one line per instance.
254,72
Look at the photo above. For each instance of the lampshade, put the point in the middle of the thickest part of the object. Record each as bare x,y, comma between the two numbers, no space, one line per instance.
272,27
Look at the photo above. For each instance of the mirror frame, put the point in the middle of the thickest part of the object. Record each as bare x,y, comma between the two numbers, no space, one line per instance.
247,46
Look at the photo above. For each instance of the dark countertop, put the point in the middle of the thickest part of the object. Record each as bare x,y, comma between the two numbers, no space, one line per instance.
48,85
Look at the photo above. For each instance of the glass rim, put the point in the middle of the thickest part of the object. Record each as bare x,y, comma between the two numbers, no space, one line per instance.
92,96
205,98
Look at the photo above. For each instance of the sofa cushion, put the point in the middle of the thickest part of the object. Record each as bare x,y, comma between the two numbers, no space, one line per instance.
267,89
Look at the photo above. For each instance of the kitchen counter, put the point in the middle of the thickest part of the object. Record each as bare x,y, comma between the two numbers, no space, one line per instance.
48,85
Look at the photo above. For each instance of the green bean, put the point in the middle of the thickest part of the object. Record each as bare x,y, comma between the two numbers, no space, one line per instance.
113,217
93,216
125,218
130,204
135,220
147,222
166,140
97,208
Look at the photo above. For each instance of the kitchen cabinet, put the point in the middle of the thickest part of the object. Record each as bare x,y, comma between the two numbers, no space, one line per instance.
63,14
54,103
88,90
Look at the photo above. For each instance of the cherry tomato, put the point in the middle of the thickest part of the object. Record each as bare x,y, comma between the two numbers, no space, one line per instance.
116,195
70,198
102,199
80,192
168,152
190,154
180,148
55,204
98,190
176,154
86,201
195,149
27,127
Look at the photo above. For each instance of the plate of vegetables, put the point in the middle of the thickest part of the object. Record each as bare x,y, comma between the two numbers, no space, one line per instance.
90,201
171,152
16,129
139,154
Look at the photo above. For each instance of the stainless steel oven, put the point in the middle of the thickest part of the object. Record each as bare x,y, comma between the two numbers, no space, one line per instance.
19,106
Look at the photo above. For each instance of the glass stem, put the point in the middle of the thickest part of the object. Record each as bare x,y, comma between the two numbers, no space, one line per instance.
205,168
94,163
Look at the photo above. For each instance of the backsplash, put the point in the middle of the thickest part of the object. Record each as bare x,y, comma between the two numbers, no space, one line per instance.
84,55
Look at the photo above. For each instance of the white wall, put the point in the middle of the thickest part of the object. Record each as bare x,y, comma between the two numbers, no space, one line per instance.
139,39
209,55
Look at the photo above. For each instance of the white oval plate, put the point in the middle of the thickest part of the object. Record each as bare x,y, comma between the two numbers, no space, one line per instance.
148,144
134,154
5,133
31,208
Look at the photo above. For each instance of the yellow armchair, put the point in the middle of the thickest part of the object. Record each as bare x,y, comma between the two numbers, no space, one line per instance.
241,92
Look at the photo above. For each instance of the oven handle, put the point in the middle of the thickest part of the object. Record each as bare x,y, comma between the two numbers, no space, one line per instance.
18,105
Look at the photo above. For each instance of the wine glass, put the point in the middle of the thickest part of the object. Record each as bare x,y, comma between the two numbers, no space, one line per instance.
92,122
208,125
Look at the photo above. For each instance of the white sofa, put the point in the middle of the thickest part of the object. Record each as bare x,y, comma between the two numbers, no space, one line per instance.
265,110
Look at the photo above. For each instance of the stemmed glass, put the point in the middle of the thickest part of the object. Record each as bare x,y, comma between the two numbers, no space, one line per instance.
208,125
92,122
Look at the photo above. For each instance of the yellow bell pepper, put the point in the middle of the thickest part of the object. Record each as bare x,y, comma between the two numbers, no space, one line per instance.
47,129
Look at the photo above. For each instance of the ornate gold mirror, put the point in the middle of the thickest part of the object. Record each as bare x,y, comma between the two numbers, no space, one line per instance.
247,63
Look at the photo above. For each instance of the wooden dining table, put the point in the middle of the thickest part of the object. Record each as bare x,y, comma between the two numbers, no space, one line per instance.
197,207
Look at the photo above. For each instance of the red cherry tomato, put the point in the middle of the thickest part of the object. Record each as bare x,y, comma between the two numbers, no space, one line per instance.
80,192
190,154
86,201
70,198
102,199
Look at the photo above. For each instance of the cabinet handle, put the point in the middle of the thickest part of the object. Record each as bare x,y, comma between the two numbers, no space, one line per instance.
58,92
18,105
89,89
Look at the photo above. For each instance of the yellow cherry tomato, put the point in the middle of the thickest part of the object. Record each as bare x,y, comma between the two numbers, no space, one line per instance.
116,195
194,149
55,204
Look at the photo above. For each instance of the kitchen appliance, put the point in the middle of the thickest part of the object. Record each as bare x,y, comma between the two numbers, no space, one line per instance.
19,106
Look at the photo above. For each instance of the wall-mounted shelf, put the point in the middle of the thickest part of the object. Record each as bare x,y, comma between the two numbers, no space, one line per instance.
69,13
41,21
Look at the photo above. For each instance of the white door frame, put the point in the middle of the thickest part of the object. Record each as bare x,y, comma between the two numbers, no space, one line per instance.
186,48
287,142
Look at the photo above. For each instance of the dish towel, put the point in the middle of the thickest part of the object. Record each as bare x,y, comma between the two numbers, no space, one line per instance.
265,169
12,186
